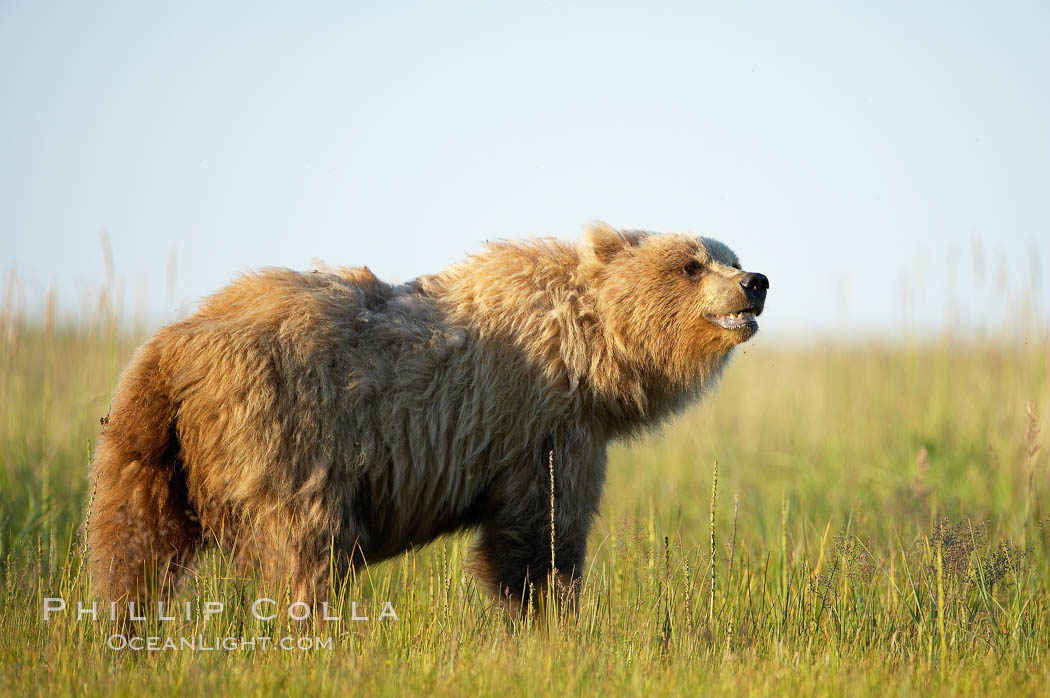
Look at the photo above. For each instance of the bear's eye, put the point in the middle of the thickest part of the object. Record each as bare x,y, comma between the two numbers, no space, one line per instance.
693,267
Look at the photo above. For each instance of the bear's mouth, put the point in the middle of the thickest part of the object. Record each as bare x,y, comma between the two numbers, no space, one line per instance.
741,319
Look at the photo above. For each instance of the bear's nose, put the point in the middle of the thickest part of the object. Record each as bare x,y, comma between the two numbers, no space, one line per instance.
755,283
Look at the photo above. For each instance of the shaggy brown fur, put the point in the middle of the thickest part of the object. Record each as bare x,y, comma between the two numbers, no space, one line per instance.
300,412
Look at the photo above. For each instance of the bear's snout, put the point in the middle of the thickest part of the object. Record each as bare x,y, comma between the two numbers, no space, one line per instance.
755,286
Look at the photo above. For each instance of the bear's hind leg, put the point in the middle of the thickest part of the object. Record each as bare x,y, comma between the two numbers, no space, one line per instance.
142,532
287,557
141,529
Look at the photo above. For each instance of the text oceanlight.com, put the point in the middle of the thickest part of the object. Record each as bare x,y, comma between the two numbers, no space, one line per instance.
200,643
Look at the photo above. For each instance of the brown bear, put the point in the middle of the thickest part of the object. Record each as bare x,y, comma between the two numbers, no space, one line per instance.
311,421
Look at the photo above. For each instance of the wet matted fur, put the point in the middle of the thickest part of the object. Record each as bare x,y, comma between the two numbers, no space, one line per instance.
297,414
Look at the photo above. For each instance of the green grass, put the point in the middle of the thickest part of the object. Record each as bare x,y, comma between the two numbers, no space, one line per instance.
878,529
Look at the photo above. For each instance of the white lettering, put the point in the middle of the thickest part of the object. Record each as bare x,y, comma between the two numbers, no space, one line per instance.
324,613
305,612
259,602
53,604
83,610
160,612
388,612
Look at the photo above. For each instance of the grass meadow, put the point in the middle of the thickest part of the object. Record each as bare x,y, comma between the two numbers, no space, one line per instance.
878,525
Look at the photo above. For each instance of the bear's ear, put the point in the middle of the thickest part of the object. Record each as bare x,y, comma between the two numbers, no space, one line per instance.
601,242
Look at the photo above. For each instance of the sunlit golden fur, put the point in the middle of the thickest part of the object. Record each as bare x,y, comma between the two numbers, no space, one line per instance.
297,414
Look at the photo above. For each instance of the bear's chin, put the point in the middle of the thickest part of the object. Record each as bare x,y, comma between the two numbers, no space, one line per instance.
734,328
745,333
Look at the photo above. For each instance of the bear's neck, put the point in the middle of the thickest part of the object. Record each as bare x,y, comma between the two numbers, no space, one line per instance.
628,402
531,299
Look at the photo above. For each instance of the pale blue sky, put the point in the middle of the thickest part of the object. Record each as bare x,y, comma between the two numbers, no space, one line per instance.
837,147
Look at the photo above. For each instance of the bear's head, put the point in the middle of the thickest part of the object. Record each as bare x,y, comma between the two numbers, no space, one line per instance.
671,305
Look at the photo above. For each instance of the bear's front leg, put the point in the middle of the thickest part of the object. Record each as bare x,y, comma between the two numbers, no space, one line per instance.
513,560
514,551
